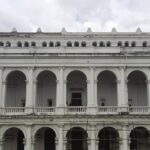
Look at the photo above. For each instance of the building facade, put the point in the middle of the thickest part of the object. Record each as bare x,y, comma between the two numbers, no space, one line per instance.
69,91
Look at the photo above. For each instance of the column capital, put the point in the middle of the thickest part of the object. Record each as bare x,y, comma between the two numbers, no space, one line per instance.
91,67
33,141
87,81
1,141
61,67
118,81
31,68
122,68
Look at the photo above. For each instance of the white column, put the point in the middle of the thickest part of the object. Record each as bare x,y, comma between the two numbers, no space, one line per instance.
91,88
29,91
93,138
28,139
60,140
4,92
1,84
148,93
61,91
125,140
1,144
64,144
122,91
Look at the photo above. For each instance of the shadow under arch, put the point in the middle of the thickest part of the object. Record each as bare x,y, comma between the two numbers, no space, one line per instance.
108,139
77,139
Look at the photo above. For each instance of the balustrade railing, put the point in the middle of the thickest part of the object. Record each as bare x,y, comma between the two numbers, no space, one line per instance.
74,109
44,109
13,110
107,109
139,109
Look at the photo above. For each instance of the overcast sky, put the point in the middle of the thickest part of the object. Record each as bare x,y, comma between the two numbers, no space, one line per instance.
74,15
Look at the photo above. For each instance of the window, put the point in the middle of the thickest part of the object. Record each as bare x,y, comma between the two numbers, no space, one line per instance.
26,44
144,44
33,44
133,44
49,102
108,44
94,44
8,44
44,44
1,44
83,44
102,44
19,44
126,44
119,44
69,44
76,44
76,99
57,44
51,44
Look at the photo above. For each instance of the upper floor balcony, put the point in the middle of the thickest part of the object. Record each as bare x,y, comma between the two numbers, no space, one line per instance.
77,94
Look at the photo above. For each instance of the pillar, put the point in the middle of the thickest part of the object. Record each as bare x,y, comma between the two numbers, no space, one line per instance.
1,84
64,144
29,91
125,140
60,140
91,87
28,139
122,91
148,92
1,144
61,91
93,138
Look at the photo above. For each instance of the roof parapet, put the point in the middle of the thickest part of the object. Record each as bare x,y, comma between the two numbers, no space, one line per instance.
138,30
63,31
14,30
39,30
114,30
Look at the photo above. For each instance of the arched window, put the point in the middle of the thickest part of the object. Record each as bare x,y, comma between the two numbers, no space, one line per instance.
26,44
57,44
119,44
69,44
8,44
133,44
76,44
19,44
102,44
83,44
33,44
94,44
108,43
51,44
1,44
126,44
44,44
144,44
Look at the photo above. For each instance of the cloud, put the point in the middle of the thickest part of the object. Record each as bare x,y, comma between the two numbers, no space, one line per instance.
52,15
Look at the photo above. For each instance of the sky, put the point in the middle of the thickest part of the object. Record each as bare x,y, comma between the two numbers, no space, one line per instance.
74,15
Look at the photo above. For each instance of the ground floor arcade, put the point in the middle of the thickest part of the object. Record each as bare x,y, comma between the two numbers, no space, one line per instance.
73,138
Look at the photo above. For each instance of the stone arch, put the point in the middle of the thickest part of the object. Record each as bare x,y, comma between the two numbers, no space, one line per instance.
14,139
77,138
45,139
76,89
108,139
137,88
107,82
15,89
46,89
139,139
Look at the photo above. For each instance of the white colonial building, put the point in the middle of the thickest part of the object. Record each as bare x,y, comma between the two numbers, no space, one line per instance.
75,91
